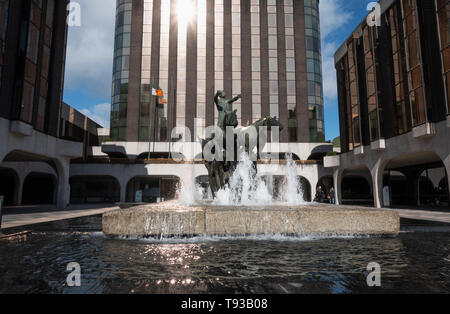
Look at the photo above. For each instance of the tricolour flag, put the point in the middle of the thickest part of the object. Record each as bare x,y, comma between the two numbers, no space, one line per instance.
157,92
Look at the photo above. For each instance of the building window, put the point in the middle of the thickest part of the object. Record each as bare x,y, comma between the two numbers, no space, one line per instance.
400,121
354,95
314,70
121,70
443,12
414,64
348,106
372,98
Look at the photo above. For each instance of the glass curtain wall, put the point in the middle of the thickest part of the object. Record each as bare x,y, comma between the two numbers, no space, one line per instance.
121,70
314,71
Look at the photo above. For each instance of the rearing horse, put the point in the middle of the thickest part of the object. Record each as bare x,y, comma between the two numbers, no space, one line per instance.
261,135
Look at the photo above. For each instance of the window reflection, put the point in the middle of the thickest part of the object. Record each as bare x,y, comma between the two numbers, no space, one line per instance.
443,11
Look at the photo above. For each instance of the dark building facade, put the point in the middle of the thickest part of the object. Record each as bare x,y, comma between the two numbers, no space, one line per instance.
33,37
395,77
394,105
268,51
39,134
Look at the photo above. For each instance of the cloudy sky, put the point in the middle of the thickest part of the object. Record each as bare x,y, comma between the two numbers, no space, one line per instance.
90,54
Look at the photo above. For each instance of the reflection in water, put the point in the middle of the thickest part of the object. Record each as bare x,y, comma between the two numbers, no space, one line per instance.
412,262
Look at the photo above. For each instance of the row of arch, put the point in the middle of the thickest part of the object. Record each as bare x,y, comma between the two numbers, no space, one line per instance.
430,187
30,177
37,188
193,151
107,189
419,179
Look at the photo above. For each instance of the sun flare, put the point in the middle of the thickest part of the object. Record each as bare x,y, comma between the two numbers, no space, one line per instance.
185,11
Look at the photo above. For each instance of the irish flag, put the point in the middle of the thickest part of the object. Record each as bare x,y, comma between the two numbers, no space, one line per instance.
157,92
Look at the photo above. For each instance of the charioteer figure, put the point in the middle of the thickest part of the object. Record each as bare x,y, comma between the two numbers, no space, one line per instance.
224,106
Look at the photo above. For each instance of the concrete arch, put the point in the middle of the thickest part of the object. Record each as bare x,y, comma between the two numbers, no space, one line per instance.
326,182
58,165
320,151
134,149
356,186
11,192
307,189
443,183
23,169
337,180
187,172
325,177
305,185
63,188
94,189
39,188
447,170
152,188
377,173
2,155
411,164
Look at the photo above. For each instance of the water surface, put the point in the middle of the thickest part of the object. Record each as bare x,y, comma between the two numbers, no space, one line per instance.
417,261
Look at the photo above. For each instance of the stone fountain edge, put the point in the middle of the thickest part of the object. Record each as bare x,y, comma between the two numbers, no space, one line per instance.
170,219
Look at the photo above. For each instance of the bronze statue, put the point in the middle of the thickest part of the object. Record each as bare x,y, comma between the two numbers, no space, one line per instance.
220,172
224,106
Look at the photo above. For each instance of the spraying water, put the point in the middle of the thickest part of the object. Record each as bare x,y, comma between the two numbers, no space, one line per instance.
247,188
293,194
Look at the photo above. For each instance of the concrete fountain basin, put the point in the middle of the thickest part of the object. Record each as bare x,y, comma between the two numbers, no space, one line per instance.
171,219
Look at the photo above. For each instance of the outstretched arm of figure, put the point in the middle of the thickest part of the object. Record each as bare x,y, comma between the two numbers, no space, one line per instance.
235,99
216,100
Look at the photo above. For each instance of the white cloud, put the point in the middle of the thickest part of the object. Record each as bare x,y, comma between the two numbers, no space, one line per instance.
333,17
90,49
329,70
99,113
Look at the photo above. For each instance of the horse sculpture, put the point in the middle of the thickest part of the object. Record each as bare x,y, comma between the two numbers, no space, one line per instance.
220,171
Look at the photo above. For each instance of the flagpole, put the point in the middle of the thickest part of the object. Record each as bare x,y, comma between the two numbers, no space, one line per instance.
149,119
169,127
155,120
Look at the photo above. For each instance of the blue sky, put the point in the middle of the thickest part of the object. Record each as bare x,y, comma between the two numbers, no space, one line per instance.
90,53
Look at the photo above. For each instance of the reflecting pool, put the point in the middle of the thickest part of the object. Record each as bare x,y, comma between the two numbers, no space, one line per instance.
417,261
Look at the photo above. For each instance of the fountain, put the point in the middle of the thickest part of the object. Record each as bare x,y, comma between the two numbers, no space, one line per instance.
243,203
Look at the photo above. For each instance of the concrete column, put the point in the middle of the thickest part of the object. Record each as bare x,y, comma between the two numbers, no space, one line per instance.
377,172
337,181
63,195
123,191
416,190
447,169
19,192
313,183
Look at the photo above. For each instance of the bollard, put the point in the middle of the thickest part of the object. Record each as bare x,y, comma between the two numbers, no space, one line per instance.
1,207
